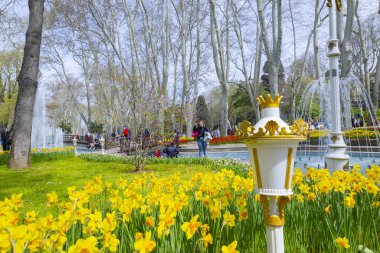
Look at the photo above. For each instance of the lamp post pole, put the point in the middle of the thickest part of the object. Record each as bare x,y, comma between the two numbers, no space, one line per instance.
336,158
75,142
102,144
275,233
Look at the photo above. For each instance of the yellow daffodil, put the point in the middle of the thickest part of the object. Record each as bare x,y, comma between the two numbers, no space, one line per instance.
349,202
342,242
5,241
30,217
94,222
311,196
191,227
243,214
52,198
85,245
149,221
111,242
372,188
327,209
207,239
230,248
229,219
145,245
299,198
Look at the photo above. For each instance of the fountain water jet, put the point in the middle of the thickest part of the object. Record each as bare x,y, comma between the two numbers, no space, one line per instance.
44,133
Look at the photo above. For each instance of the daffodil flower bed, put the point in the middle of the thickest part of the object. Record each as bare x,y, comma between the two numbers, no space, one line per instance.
211,212
43,154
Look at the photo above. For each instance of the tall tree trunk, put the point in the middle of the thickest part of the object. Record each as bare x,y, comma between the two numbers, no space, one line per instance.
345,43
174,107
256,73
317,64
221,57
363,50
293,104
224,110
376,87
273,53
185,90
250,84
20,156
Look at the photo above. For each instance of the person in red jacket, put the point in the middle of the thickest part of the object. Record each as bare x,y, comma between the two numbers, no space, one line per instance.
126,132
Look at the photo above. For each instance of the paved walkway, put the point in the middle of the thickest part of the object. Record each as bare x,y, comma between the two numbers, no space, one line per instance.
190,147
193,147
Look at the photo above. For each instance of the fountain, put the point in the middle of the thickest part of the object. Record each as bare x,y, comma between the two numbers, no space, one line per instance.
352,92
44,133
339,100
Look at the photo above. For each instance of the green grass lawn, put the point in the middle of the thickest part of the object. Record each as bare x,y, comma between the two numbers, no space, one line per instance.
45,177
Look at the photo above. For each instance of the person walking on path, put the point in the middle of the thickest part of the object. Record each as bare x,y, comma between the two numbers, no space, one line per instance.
200,131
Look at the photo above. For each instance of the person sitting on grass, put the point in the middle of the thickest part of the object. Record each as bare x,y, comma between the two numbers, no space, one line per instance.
157,153
171,151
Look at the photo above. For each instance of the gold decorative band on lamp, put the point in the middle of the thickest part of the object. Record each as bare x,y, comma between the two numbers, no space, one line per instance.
288,168
275,220
257,168
269,102
273,129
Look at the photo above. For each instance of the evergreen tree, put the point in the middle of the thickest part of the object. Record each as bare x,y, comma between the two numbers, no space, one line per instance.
201,109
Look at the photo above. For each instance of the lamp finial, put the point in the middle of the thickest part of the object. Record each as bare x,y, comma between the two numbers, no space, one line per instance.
269,102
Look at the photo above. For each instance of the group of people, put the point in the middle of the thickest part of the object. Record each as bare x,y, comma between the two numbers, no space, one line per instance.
93,143
170,151
313,124
200,132
357,121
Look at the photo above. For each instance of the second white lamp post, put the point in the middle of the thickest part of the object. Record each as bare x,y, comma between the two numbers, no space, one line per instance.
336,158
272,145
102,144
75,142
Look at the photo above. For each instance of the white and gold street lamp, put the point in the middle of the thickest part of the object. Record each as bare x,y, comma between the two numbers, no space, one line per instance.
272,145
75,142
337,157
102,144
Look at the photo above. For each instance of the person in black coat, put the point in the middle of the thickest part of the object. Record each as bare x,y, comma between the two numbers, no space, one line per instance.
171,151
201,130
5,140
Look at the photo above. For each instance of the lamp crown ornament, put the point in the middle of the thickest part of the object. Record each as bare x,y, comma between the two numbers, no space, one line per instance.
338,3
269,102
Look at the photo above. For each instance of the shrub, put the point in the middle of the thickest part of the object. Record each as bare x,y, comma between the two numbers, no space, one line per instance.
217,164
356,133
44,154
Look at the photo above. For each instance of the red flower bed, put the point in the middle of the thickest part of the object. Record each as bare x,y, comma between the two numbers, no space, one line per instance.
225,140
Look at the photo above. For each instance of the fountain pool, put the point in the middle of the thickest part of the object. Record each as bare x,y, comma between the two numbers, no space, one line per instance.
311,159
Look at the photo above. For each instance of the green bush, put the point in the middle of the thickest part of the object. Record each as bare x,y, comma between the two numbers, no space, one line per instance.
42,156
217,164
